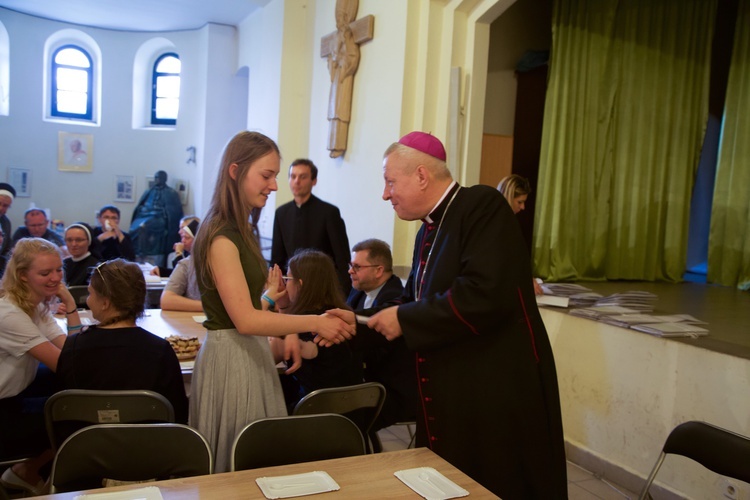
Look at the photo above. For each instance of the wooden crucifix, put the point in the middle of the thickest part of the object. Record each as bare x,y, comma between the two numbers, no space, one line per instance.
342,50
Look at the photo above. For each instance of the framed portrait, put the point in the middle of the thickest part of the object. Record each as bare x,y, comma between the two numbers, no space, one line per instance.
20,179
181,186
75,152
125,188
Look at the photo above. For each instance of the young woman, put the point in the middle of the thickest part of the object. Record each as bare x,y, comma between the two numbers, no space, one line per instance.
116,354
79,264
313,288
516,190
31,287
235,380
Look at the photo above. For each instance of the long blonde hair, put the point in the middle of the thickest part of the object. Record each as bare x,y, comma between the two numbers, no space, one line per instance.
13,286
229,207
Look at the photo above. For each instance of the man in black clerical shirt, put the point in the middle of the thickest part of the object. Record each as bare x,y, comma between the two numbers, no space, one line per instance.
309,222
389,363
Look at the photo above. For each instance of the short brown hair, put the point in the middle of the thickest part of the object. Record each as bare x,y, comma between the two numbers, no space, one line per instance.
308,163
379,252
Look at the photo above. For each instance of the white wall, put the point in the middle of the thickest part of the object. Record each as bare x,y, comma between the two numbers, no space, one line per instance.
26,141
289,87
354,182
623,391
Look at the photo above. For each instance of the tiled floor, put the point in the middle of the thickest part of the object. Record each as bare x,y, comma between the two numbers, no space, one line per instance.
582,485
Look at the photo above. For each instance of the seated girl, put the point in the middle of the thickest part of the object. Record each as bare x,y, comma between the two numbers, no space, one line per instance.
116,354
29,335
313,287
79,264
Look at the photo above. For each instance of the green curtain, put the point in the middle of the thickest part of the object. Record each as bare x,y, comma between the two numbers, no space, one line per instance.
729,239
625,115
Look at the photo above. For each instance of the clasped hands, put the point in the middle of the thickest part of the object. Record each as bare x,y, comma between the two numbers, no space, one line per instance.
384,322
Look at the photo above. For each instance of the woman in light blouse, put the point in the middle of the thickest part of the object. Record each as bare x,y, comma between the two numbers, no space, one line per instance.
29,338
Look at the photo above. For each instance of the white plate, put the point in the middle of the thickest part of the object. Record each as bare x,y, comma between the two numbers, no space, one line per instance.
199,319
430,484
296,485
148,493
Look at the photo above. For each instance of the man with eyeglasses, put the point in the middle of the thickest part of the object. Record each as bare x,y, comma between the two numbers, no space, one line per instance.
309,222
37,226
389,363
7,194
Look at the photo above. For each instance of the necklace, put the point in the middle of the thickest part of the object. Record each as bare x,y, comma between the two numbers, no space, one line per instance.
420,284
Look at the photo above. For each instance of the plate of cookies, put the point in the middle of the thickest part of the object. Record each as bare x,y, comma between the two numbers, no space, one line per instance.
184,347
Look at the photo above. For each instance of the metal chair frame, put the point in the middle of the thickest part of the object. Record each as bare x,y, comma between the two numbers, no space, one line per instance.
722,451
346,401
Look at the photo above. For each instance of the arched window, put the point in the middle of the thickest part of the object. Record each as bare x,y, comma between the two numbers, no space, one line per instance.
165,92
72,80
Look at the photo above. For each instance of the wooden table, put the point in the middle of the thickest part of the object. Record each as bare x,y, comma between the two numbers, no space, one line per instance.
366,476
159,322
166,323
163,324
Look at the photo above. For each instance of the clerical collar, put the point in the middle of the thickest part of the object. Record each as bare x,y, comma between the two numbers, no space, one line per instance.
372,295
437,210
79,259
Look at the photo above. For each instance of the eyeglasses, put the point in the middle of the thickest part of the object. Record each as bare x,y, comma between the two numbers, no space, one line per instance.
288,278
357,267
98,270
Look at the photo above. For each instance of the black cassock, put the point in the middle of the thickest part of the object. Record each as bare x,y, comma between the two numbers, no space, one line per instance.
489,400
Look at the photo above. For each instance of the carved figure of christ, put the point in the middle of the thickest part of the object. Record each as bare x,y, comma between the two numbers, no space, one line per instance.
342,50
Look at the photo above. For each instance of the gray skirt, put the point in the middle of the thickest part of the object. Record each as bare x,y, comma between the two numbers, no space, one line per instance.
234,383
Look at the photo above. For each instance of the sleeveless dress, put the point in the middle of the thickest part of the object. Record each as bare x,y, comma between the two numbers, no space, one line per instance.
234,380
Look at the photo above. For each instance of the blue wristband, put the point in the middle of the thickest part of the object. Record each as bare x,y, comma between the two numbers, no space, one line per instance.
269,300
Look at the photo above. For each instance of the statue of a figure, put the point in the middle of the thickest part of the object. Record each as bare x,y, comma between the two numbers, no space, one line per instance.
343,62
156,220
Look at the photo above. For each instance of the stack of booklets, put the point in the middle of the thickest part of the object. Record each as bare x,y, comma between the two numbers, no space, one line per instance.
567,295
599,312
674,325
640,301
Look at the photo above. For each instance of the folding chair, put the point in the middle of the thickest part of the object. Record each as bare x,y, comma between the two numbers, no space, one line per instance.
129,452
717,449
79,293
360,403
290,440
68,411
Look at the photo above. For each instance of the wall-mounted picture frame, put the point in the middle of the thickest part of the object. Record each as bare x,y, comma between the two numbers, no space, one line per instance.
75,152
125,188
181,186
20,179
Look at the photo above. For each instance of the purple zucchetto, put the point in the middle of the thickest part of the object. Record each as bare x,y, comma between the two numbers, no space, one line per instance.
426,143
